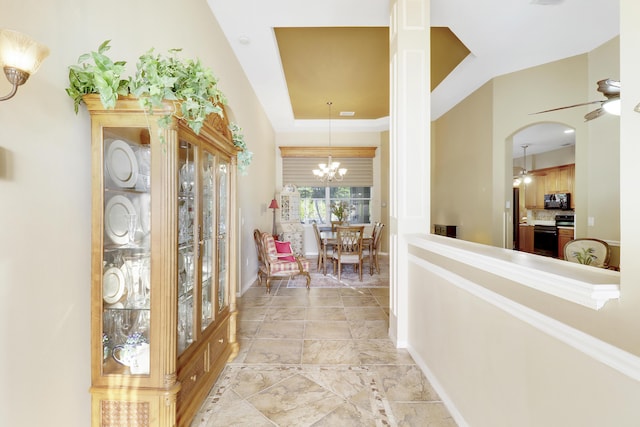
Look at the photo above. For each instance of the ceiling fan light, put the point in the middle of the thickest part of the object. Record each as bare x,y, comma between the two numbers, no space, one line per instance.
527,179
612,107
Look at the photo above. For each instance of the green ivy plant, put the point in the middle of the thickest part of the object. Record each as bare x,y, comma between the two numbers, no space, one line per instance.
245,156
158,78
103,77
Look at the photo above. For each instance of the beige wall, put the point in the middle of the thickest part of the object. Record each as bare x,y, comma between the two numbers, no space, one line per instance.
496,370
461,177
45,184
489,118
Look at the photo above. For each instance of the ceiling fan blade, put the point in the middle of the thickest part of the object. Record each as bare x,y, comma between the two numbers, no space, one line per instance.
594,114
568,106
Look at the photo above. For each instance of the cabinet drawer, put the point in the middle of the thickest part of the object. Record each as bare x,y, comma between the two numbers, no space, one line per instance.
218,343
189,377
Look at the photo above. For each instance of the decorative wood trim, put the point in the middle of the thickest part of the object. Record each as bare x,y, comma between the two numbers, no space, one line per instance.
338,152
614,357
536,274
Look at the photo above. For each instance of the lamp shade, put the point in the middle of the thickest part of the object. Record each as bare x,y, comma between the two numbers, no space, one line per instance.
274,204
20,51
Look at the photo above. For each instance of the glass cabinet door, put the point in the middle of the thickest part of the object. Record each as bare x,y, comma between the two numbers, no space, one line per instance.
187,244
207,241
126,257
223,236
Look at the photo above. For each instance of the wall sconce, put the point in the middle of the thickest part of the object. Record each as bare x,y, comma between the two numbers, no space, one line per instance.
20,56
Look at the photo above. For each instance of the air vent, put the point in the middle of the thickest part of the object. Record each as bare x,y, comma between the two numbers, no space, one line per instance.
347,113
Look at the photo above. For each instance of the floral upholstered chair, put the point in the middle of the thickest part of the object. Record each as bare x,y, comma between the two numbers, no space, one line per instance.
592,252
277,265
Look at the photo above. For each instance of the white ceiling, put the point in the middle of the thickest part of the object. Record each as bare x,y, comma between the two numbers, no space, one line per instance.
503,36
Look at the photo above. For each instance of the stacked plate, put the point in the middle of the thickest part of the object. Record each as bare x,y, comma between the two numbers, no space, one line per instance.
121,164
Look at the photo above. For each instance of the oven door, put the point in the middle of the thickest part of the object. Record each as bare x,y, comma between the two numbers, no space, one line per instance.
545,240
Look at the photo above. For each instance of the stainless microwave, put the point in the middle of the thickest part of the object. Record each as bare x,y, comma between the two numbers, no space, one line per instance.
560,201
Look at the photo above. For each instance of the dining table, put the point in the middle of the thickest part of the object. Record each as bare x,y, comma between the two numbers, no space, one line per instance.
330,238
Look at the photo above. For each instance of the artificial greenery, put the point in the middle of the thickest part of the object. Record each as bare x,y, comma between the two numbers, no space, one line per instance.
585,256
158,78
340,210
245,156
101,77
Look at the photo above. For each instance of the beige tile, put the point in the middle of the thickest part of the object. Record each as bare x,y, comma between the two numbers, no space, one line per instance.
230,410
369,329
427,414
286,313
248,380
248,328
330,352
365,313
349,414
242,353
281,329
326,301
405,383
274,351
290,301
379,352
252,313
360,301
249,302
327,330
326,313
296,401
355,292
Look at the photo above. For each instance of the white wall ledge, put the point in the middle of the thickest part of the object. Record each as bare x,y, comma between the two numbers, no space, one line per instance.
588,286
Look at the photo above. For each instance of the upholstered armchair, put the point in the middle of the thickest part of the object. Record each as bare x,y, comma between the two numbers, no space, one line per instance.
275,265
592,252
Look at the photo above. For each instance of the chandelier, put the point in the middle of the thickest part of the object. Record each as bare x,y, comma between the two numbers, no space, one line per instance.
330,171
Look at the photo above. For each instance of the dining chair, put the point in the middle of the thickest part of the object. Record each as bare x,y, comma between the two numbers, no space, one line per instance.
371,252
321,251
348,248
594,252
336,224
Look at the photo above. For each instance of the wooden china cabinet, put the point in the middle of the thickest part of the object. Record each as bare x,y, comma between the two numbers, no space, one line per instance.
163,309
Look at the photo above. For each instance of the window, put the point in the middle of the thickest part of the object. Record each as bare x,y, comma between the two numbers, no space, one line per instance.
314,203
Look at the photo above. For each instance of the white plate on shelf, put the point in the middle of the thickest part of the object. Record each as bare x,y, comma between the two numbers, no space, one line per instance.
116,222
113,285
121,164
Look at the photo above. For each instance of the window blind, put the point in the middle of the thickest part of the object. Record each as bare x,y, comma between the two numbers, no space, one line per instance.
299,171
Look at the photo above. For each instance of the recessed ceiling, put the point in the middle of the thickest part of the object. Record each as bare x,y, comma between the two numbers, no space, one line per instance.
349,66
502,36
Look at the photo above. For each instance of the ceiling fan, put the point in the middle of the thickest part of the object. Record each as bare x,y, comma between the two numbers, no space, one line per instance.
611,90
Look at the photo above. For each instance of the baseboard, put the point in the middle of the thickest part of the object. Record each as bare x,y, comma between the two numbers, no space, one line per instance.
446,400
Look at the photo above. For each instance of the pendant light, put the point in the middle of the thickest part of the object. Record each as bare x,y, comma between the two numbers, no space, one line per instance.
525,174
330,171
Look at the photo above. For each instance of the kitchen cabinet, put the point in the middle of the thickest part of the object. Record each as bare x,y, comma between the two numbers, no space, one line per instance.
163,281
558,179
565,235
534,191
525,238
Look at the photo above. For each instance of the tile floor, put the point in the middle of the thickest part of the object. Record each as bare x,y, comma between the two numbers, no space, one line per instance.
319,357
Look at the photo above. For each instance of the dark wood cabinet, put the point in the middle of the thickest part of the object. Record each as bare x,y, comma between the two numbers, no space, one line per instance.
525,238
565,235
445,230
